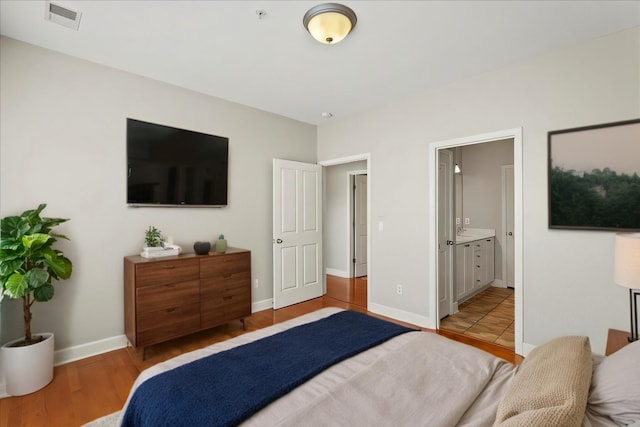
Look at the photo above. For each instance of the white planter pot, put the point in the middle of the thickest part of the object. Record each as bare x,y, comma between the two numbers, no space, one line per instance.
28,369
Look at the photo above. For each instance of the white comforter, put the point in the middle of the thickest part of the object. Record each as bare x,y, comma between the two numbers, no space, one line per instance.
415,379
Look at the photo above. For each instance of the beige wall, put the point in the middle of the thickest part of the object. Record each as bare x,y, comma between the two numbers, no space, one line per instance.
62,141
568,286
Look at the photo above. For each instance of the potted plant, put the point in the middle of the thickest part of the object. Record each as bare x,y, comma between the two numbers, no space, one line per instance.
28,265
155,245
153,238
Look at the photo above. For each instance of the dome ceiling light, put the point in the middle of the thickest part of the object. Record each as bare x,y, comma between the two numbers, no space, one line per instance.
329,23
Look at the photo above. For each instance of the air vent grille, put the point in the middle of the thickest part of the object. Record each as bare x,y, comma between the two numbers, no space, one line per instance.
62,15
59,10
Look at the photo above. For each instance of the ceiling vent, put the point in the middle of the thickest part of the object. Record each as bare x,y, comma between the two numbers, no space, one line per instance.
62,15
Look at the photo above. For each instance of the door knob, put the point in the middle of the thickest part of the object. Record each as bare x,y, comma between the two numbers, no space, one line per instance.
449,242
279,241
510,233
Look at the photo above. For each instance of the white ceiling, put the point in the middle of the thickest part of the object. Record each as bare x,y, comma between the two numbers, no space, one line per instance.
397,48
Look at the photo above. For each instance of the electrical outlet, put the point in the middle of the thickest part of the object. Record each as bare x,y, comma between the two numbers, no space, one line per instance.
466,221
399,289
458,221
257,283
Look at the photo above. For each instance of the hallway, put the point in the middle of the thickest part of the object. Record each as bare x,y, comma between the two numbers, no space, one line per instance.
488,316
353,291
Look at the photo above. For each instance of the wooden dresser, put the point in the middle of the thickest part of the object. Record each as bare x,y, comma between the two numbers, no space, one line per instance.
166,298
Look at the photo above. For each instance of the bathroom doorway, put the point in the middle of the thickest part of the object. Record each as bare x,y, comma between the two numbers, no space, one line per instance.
483,305
478,193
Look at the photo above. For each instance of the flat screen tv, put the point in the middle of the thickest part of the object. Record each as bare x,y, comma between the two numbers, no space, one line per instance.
167,166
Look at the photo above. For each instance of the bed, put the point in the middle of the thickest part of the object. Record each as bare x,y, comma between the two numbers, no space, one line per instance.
407,378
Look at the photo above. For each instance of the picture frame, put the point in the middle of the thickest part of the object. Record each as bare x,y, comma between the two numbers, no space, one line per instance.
594,177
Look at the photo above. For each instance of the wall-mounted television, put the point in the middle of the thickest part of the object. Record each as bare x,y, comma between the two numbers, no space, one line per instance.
167,166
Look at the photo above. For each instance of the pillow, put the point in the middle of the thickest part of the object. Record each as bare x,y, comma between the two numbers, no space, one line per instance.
615,387
551,386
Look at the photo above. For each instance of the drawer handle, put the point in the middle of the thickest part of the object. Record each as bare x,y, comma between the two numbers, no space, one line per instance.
171,310
227,297
170,267
226,276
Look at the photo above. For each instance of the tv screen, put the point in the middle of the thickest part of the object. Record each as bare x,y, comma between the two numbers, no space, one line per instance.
167,166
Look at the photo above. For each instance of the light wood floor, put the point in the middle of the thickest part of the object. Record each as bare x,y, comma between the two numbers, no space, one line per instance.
352,290
488,316
96,386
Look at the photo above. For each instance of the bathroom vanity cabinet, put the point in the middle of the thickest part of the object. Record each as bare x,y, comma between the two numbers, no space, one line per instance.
475,266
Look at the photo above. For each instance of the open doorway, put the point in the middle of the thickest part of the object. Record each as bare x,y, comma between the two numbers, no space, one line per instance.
483,304
346,227
477,258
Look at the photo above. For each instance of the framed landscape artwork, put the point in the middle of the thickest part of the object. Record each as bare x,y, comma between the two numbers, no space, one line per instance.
594,177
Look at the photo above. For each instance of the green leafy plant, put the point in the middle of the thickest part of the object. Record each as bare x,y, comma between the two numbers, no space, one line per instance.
29,263
153,237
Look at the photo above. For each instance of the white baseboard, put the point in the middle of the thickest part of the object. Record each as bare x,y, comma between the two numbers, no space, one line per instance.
339,273
526,348
82,351
3,390
262,305
401,315
498,283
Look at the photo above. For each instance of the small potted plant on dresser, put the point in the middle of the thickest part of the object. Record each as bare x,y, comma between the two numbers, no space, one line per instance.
155,246
28,265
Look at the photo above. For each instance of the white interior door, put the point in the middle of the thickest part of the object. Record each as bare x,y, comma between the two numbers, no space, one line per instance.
445,231
508,195
297,232
360,225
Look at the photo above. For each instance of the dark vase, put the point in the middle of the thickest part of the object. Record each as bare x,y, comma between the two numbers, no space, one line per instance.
201,248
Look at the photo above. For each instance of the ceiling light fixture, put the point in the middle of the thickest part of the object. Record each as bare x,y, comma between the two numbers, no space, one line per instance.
329,23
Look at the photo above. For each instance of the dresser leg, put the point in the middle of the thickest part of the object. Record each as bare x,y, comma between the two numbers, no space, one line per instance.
244,326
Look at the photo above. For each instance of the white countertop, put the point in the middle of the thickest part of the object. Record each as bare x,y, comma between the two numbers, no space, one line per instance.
470,234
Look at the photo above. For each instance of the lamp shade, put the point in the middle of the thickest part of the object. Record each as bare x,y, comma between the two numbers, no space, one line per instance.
329,23
626,261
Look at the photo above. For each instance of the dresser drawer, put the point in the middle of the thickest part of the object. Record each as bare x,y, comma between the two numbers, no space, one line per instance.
221,308
163,272
161,297
215,265
225,282
161,325
239,305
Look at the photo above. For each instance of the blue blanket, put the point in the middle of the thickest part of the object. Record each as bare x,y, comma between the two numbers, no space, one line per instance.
226,388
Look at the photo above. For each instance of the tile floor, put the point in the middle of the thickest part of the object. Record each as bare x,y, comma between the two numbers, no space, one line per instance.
488,316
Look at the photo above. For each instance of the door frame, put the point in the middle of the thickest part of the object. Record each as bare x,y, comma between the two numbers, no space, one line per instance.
504,222
340,161
516,135
351,204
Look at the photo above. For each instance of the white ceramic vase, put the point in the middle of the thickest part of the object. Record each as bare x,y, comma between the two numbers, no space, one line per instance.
29,368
